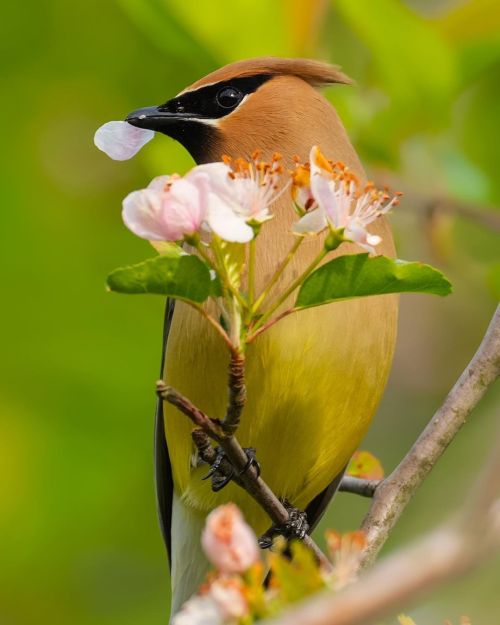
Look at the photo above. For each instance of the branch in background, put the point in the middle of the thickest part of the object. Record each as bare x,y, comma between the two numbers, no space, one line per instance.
444,554
359,486
394,493
246,476
487,216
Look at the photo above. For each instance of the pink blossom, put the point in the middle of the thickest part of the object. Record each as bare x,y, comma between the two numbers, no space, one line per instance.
346,551
229,595
241,194
120,140
229,543
342,204
169,209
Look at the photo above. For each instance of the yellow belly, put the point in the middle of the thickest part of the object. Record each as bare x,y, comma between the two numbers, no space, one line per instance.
313,383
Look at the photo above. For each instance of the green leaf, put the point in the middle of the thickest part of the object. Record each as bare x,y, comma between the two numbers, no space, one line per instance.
295,578
358,275
182,277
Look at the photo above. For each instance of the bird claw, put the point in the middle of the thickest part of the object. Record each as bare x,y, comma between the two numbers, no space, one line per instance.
222,475
296,527
252,461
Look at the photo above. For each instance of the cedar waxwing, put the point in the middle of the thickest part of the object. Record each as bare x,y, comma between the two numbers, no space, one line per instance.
315,379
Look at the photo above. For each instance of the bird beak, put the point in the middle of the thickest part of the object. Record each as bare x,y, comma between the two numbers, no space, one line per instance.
153,118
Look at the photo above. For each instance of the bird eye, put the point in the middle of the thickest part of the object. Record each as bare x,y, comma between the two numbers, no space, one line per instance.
229,97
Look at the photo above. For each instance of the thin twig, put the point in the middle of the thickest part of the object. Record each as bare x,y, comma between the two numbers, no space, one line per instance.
220,330
359,486
277,274
270,323
439,557
394,493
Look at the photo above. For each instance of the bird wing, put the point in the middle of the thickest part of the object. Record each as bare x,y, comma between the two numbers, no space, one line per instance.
317,508
163,469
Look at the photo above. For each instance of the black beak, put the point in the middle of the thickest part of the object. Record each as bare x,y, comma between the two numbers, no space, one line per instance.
153,118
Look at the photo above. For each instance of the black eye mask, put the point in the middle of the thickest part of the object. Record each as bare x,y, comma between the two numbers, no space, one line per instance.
214,101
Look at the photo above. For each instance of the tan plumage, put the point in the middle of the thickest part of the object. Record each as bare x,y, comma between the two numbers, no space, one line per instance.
315,380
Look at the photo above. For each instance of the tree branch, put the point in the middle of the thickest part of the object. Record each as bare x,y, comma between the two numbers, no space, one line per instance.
444,554
394,493
246,477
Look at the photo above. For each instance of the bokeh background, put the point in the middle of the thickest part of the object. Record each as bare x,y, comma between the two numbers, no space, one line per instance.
79,541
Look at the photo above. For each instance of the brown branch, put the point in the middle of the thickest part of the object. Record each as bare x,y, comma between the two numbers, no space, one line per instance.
247,478
394,493
441,556
237,393
359,486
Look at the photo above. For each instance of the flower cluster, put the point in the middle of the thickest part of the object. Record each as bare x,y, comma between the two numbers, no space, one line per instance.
234,591
231,546
232,198
328,195
228,198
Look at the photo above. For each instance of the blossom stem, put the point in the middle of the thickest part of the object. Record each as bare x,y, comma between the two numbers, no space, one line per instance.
296,283
251,270
277,274
220,330
203,253
223,274
269,323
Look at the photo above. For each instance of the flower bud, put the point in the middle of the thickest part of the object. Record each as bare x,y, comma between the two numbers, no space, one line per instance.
229,543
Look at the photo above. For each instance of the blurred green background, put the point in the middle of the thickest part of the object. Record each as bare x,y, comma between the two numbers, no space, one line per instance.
79,541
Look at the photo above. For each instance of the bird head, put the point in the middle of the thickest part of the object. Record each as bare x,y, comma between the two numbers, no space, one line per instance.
270,104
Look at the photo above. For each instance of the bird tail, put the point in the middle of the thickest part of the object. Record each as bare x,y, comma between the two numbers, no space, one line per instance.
189,564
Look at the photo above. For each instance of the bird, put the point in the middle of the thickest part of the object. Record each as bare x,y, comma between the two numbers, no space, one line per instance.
314,380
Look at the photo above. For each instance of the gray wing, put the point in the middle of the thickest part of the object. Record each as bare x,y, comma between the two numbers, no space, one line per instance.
317,508
163,470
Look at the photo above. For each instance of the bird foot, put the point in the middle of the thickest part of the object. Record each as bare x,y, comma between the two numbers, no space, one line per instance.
222,471
296,527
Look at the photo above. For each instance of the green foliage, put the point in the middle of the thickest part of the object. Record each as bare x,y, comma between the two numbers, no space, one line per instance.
172,38
295,578
67,74
358,275
182,277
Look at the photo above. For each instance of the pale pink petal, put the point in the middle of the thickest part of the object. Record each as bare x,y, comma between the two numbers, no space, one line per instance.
120,140
142,214
160,182
305,199
311,223
357,233
199,610
226,223
217,172
188,203
228,594
229,543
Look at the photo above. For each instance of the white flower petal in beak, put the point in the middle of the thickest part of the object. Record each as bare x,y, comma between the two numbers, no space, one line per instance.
120,140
